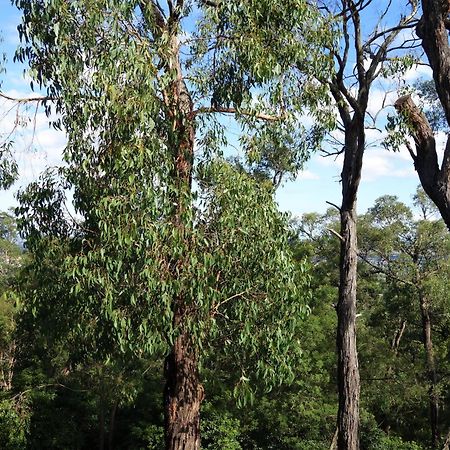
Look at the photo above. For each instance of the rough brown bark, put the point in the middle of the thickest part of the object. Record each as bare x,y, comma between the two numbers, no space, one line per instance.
351,100
348,371
435,180
432,30
431,369
183,392
183,395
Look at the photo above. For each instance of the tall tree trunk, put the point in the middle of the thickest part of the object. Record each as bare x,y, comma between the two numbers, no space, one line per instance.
183,395
431,369
348,371
183,392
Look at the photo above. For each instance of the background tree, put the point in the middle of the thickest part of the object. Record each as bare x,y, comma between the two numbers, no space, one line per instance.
13,415
359,58
411,254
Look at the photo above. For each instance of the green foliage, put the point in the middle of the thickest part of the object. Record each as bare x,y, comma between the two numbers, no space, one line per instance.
372,438
13,425
8,165
410,259
145,240
152,435
397,128
220,431
256,69
397,66
100,293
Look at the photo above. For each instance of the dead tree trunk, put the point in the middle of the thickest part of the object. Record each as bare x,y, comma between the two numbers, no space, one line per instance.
435,180
433,30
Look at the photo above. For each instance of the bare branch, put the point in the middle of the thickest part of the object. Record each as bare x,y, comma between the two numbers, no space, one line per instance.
19,100
262,116
337,207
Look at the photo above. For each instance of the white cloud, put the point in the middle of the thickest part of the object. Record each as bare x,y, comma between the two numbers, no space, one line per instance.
307,175
417,72
380,163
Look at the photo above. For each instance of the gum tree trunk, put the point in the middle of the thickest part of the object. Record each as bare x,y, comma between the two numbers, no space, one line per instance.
183,392
348,370
183,395
348,373
351,98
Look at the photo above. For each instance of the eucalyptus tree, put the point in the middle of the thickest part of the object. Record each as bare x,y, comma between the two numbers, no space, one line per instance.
368,41
179,251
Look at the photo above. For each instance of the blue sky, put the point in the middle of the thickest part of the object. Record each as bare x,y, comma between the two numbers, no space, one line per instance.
384,172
